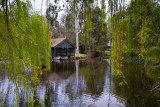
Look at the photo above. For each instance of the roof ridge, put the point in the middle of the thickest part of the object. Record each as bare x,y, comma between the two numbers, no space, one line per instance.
60,38
56,42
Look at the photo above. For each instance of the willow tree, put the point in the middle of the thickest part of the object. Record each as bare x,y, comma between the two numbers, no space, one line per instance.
87,19
118,26
24,36
24,44
24,41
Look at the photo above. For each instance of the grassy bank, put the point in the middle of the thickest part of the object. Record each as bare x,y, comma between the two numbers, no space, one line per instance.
80,55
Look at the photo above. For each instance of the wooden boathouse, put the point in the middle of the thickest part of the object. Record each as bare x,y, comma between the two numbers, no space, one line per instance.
62,47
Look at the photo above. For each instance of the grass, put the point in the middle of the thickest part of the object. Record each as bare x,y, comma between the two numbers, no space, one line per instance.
80,55
107,52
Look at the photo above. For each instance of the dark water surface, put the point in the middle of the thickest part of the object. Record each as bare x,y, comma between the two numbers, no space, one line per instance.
84,84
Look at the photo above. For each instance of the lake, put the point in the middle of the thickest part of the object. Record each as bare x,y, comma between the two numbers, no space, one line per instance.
78,83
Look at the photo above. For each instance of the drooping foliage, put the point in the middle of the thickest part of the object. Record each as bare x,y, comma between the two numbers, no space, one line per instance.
24,38
118,26
132,29
24,44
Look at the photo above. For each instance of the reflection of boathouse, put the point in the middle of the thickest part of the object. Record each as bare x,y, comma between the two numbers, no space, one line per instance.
62,47
63,69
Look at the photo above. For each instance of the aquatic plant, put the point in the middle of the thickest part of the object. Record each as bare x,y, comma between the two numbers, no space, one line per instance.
152,66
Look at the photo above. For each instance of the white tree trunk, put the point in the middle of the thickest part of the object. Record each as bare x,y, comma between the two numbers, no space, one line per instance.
76,31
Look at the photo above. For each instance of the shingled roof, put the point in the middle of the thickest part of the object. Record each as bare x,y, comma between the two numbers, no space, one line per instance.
58,41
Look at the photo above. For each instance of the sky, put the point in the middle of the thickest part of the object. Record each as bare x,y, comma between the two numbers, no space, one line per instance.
37,6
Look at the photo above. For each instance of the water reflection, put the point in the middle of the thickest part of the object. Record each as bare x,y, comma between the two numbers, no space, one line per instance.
82,84
78,84
136,92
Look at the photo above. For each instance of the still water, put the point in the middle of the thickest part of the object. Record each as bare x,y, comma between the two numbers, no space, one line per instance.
82,84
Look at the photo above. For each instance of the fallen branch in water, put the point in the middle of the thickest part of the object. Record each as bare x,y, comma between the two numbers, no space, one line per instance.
156,89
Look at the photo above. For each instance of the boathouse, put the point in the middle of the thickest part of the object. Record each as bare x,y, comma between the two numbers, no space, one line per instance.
62,47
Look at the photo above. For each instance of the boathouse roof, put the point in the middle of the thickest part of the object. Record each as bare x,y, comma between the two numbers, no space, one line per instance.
58,41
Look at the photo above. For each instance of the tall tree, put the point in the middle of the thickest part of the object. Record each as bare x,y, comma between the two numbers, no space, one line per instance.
70,25
75,8
99,32
52,13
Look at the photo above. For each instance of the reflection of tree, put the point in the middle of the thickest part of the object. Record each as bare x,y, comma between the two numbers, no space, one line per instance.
94,75
110,76
6,97
21,88
51,94
72,85
21,101
2,77
135,91
48,96
35,98
70,91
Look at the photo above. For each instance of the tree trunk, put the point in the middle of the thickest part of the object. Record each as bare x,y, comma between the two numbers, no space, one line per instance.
85,31
76,31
